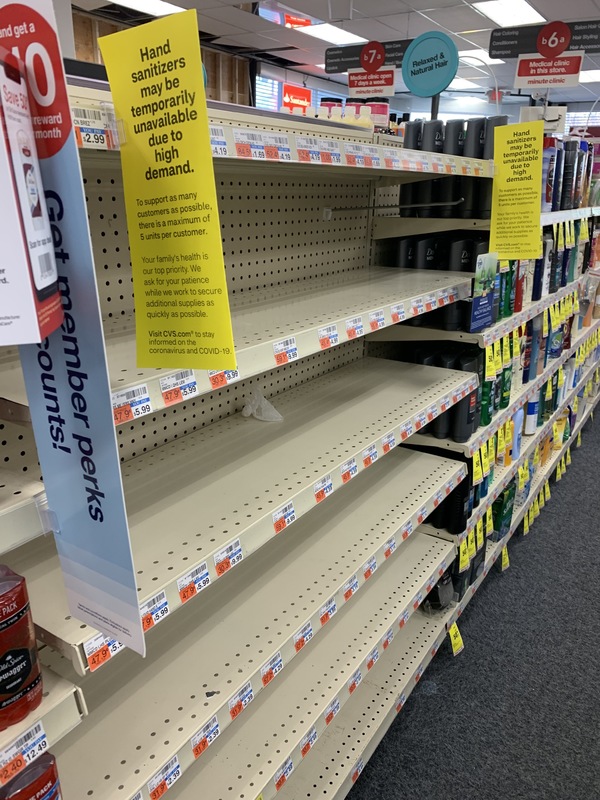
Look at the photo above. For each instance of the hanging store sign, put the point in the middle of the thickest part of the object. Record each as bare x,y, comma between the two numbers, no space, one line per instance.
182,307
341,59
66,375
295,96
369,84
430,64
537,72
513,42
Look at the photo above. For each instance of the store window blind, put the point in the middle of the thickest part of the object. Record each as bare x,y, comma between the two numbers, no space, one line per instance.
268,94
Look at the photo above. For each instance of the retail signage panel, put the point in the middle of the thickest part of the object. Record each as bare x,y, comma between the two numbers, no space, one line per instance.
295,96
369,84
430,64
66,375
30,306
513,42
516,193
182,307
537,72
341,59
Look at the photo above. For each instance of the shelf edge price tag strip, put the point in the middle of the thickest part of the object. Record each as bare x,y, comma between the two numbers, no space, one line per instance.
30,744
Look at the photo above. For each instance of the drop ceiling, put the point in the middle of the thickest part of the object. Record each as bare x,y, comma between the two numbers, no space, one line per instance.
383,20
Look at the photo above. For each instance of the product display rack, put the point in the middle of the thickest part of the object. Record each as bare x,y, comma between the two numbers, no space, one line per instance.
322,610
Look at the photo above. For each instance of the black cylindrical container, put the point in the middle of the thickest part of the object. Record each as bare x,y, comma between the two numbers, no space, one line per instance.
441,426
449,189
413,132
426,253
460,255
485,185
432,141
406,253
474,141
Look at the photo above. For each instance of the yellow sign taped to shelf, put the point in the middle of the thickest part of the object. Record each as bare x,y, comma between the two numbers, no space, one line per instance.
558,472
480,540
181,301
545,330
548,394
561,237
471,547
477,473
485,462
526,524
576,302
506,357
516,191
497,357
455,639
505,562
561,377
501,441
531,516
489,521
541,502
490,363
463,556
547,494
554,320
536,507
568,458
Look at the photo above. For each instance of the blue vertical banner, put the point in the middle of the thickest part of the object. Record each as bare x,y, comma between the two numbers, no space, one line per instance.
66,375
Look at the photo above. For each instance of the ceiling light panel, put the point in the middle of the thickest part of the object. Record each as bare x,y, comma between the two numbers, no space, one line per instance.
589,76
154,8
509,13
332,34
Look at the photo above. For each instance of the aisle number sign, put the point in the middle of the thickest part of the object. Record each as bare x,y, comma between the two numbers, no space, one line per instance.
181,302
516,193
66,375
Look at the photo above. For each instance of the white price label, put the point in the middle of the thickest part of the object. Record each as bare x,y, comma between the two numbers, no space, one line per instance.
372,658
370,455
376,319
178,387
309,149
327,611
354,327
350,588
24,750
422,515
406,430
100,649
328,336
407,529
355,154
222,377
163,780
277,146
205,737
443,297
249,144
445,403
218,143
308,741
388,639
129,404
331,151
417,306
354,681
285,351
420,420
283,517
348,470
303,636
400,702
332,710
240,700
398,313
388,442
194,582
272,668
228,557
430,302
389,547
403,619
391,158
283,773
437,498
154,610
323,488
369,568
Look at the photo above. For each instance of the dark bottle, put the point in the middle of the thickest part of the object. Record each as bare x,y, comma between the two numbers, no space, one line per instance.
571,151
427,191
413,132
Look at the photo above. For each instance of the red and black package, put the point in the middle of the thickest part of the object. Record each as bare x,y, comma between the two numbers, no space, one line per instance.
38,781
20,676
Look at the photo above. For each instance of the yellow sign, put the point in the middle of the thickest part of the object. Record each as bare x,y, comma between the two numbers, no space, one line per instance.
181,302
547,494
471,544
568,457
516,193
489,521
490,363
477,472
497,357
526,524
506,357
479,535
485,462
505,560
463,556
455,639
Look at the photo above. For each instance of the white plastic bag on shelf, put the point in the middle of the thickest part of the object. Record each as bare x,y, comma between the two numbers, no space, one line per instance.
259,407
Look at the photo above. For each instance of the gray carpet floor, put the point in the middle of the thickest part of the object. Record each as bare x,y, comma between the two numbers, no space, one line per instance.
517,714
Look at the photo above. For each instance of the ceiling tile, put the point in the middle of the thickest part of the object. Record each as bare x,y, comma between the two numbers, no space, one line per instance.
379,8
371,29
398,22
459,18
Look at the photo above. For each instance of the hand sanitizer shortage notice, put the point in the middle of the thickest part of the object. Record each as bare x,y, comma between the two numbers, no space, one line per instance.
181,302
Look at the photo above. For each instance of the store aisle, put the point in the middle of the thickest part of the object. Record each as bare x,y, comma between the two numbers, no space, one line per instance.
516,714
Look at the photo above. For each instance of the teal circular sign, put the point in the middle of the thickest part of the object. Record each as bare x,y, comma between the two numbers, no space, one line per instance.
429,64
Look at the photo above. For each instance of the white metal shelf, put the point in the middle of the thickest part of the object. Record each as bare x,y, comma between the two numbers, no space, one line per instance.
223,491
310,317
339,754
147,728
62,709
388,227
404,333
552,217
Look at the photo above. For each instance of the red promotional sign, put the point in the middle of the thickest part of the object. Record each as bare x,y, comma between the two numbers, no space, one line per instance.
537,72
553,39
296,96
372,84
372,56
292,21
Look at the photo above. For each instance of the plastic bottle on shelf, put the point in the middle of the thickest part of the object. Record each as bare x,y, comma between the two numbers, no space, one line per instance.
20,674
38,781
548,171
520,271
517,433
558,178
570,150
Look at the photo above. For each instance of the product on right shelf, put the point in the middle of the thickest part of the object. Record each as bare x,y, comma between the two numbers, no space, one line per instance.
38,781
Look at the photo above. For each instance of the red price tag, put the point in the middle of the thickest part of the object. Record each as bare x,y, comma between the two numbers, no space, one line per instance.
368,161
325,342
368,573
98,658
388,552
351,162
223,566
172,396
281,358
122,414
303,155
243,150
352,687
305,749
14,766
267,677
370,664
159,791
280,782
299,644
279,525
346,476
320,495
329,718
325,618
367,461
200,747
272,153
147,622
188,592
218,380
236,710
326,157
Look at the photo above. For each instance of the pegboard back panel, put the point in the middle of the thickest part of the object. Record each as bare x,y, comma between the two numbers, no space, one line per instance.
273,230
20,475
157,429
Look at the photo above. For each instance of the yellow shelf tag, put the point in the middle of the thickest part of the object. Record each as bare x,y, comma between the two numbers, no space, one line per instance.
505,564
554,322
506,359
490,363
555,432
561,377
536,508
497,357
548,394
536,456
522,478
531,516
579,439
508,433
568,457
526,524
455,639
479,535
477,473
547,494
492,450
501,441
541,501
471,544
545,326
516,343
561,236
575,404
463,556
576,302
558,472
485,462
489,521
503,265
